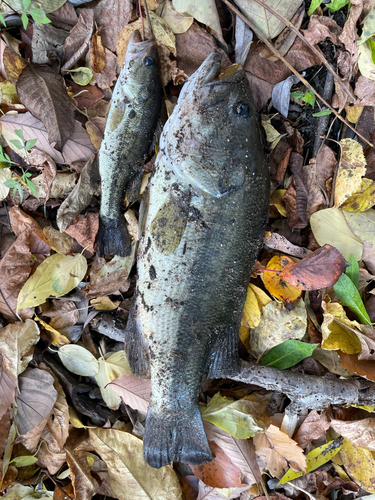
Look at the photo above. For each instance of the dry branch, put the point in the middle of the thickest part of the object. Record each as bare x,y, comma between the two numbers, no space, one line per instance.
307,391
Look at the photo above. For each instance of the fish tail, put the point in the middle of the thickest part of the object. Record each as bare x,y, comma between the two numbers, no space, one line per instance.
113,237
175,437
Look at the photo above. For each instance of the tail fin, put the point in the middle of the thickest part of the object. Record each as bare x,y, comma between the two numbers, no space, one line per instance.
113,237
178,437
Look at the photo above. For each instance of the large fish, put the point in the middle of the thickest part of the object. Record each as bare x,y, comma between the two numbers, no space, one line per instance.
202,224
127,139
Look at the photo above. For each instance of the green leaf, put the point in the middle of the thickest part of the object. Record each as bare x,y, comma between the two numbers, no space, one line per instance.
10,183
17,143
32,188
4,157
288,354
24,461
297,94
68,273
371,43
25,20
353,270
313,6
323,112
39,16
30,144
347,292
233,416
20,191
315,459
2,19
309,98
337,5
19,134
26,4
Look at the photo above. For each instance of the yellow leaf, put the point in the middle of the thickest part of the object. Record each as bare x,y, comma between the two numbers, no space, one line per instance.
79,360
275,285
277,200
351,169
68,273
244,334
203,12
179,23
365,63
335,335
5,174
262,298
315,459
353,113
233,416
103,303
123,452
360,465
329,226
251,311
272,134
56,337
116,365
278,324
39,287
163,33
75,419
8,93
363,199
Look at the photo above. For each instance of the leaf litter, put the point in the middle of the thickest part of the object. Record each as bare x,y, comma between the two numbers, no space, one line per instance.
318,249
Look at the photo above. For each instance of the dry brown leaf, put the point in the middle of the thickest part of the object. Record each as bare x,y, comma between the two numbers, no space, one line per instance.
280,450
313,427
63,313
360,432
77,148
123,451
43,161
278,242
112,15
35,402
83,484
364,368
365,92
15,269
349,35
320,28
88,184
42,91
320,270
8,390
97,52
107,76
4,428
88,96
21,222
60,242
84,229
13,64
133,390
77,43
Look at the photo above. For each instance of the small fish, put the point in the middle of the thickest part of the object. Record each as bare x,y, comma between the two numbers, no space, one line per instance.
202,224
128,135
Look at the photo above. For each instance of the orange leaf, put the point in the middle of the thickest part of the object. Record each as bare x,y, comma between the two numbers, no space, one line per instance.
275,284
220,472
320,270
363,367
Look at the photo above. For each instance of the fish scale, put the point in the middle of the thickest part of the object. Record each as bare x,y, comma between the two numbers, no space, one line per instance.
203,218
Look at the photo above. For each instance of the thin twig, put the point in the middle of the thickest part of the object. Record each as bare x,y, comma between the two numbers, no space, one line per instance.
311,47
305,82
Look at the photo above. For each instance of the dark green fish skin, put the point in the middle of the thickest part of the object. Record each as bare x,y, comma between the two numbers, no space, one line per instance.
202,226
128,135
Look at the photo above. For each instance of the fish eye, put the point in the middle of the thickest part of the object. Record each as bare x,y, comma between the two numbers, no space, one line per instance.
241,109
149,61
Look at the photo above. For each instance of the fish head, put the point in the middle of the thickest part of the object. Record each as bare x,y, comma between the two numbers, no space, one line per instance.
141,60
214,130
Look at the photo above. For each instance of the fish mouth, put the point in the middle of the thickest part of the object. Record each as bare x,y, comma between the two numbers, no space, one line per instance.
138,47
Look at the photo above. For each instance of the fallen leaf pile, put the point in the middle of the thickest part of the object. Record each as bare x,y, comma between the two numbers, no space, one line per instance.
296,422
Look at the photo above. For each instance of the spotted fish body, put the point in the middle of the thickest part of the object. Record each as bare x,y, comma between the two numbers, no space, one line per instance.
128,135
202,223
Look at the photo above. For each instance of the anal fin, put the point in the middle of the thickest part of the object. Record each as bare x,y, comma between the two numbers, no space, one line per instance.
224,360
136,344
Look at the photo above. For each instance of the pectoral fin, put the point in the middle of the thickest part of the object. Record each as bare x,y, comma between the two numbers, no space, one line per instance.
170,222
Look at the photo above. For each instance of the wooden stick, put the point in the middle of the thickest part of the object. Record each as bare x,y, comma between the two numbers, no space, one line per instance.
311,47
305,82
